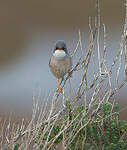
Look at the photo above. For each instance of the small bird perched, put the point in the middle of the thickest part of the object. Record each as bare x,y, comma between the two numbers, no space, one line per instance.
60,62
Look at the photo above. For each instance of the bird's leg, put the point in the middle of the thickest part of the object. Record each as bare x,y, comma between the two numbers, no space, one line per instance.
59,87
70,74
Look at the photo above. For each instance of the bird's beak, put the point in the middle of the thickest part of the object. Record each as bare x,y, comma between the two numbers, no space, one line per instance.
60,49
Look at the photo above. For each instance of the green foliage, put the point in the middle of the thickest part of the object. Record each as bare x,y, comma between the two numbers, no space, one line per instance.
104,130
16,146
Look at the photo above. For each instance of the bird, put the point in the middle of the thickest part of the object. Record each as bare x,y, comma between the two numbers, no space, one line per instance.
60,62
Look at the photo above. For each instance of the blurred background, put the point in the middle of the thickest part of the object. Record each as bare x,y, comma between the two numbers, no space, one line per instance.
28,30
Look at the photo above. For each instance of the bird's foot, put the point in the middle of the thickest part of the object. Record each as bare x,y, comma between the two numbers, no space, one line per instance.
70,74
60,89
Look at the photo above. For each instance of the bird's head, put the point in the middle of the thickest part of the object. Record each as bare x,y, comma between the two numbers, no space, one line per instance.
60,49
60,45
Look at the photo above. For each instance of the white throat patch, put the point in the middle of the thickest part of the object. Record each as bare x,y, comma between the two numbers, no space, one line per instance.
59,54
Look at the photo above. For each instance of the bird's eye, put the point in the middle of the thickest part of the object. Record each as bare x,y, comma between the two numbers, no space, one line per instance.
56,48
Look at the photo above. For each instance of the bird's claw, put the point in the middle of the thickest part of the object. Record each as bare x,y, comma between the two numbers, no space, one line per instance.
70,74
60,89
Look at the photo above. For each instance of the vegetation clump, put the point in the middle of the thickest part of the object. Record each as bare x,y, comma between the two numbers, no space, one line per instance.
105,130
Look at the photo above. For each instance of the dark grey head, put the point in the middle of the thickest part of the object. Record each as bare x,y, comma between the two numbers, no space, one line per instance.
60,45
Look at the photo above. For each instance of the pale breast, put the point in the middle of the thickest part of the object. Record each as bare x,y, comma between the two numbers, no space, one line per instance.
59,68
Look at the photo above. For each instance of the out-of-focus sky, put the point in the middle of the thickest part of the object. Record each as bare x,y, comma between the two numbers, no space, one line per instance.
28,30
